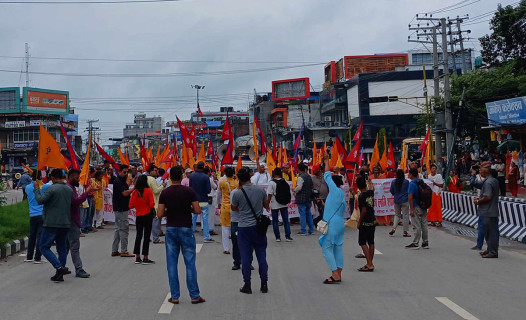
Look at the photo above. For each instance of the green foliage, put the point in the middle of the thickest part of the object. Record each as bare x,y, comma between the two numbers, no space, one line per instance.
15,222
508,39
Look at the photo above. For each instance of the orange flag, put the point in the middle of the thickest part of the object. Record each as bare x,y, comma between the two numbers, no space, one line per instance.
315,160
49,152
280,158
285,158
184,157
375,158
335,156
383,161
84,174
271,165
157,159
202,153
293,178
122,158
191,158
239,164
255,139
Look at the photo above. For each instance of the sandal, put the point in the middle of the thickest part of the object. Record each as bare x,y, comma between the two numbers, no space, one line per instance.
359,255
392,231
439,225
226,252
407,235
174,301
198,300
159,242
366,269
331,281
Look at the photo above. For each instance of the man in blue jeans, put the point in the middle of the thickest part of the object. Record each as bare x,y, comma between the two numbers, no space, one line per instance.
56,221
200,182
303,192
249,202
276,205
177,203
35,221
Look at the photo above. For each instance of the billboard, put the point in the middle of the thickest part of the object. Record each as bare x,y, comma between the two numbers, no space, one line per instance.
10,100
45,101
373,63
290,89
510,111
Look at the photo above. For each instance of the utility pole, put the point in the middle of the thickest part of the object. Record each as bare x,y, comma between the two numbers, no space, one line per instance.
460,39
92,131
447,89
452,46
197,88
27,64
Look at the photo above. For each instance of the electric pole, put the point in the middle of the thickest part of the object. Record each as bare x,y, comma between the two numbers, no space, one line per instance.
27,64
447,88
197,88
92,132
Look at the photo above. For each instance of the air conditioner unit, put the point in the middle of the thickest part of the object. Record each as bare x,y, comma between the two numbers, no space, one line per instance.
309,124
327,118
337,124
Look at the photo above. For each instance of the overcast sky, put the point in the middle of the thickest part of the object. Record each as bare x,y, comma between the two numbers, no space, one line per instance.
219,32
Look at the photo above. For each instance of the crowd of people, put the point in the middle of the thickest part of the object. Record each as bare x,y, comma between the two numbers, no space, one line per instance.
64,210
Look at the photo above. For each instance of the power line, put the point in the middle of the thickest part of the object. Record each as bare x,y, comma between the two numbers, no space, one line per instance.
87,2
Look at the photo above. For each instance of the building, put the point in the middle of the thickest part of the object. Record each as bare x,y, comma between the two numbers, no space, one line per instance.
419,58
143,125
20,118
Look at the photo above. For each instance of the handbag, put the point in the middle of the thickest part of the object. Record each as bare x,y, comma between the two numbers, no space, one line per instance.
262,221
353,221
323,226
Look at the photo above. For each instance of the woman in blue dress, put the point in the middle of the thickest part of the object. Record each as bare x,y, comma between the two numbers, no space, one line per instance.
332,242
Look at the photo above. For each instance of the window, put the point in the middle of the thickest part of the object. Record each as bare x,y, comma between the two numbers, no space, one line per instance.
25,135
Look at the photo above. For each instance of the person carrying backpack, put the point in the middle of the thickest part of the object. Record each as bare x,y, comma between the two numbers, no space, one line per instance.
419,201
279,196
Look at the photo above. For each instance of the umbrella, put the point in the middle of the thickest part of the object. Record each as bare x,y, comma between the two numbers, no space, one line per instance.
510,145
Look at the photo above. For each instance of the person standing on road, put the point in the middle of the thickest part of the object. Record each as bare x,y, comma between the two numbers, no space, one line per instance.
366,223
156,188
488,209
249,202
74,230
24,181
142,200
418,214
212,200
56,221
303,192
321,190
332,242
177,203
434,215
476,182
90,212
121,206
513,177
200,182
279,196
226,186
399,188
500,167
98,185
35,221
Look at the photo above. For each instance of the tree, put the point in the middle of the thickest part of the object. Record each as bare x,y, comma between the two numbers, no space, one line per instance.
508,39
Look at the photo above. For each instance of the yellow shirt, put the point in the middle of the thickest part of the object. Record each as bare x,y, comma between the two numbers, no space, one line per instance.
97,195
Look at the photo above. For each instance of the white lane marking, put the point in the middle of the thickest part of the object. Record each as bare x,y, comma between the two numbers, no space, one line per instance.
456,308
198,247
166,307
377,252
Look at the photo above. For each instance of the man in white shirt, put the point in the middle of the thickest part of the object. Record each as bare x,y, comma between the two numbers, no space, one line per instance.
500,167
261,176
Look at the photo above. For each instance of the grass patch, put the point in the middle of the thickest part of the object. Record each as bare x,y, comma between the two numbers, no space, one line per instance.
14,222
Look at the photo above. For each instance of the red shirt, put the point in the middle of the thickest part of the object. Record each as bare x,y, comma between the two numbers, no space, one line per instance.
144,204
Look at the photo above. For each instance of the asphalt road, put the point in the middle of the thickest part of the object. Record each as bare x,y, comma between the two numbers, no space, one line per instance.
449,281
12,196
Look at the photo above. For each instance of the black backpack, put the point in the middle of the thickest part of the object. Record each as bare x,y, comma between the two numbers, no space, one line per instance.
425,194
282,192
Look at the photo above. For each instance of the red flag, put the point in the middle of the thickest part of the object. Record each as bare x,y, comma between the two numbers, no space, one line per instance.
194,140
144,155
358,134
390,157
261,136
423,147
228,157
227,130
72,155
341,149
187,140
210,148
107,157
199,112
354,155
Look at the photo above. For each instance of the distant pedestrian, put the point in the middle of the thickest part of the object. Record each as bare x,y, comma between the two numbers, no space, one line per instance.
74,230
87,222
279,196
98,185
453,183
399,189
303,192
177,203
121,206
249,202
35,220
332,242
200,182
261,176
366,223
500,167
56,221
142,200
320,191
212,200
434,214
24,181
226,186
418,214
488,209
513,177
156,188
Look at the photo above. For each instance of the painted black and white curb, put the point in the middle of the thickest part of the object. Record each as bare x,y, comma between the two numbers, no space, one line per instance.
13,247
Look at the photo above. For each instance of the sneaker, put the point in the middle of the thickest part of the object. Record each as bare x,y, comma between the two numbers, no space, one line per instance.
278,240
115,254
301,234
264,287
476,248
37,261
100,227
127,255
289,239
392,232
212,233
209,240
236,267
412,246
67,271
246,288
311,233
138,260
82,274
28,260
147,261
425,245
251,267
59,275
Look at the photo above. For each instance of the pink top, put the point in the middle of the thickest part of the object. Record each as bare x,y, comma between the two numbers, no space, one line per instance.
185,182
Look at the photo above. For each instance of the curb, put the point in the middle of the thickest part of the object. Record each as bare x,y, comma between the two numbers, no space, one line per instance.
13,247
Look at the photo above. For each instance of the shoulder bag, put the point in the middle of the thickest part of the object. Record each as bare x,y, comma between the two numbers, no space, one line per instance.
323,226
152,210
262,221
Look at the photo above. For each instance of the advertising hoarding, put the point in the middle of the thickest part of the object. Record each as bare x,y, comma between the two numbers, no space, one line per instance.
510,111
14,124
10,100
45,101
373,63
290,89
